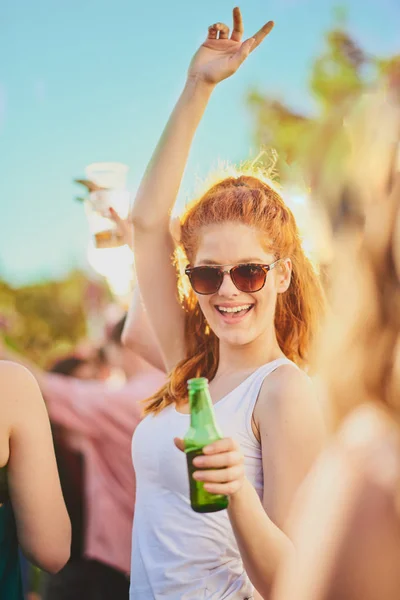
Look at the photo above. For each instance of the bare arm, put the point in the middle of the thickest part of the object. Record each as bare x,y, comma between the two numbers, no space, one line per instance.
138,334
44,530
291,431
346,528
153,245
216,60
81,406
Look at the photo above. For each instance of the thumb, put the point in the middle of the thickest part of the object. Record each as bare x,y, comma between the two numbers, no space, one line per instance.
180,444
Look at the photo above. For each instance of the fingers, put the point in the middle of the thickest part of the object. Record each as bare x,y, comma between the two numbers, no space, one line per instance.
248,46
238,28
221,466
225,489
262,33
216,461
219,476
180,444
212,33
90,185
124,227
240,56
218,31
221,31
216,480
114,216
224,445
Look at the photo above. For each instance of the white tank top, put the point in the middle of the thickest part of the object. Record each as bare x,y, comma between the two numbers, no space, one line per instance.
178,554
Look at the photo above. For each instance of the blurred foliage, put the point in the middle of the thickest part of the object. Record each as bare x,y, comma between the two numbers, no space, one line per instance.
48,319
338,75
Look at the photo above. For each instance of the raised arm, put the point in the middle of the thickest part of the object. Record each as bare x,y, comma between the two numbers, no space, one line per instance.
218,58
138,334
44,530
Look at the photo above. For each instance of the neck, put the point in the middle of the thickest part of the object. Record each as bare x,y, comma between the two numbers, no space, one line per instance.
234,358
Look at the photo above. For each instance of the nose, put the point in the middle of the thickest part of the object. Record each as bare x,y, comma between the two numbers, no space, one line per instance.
228,288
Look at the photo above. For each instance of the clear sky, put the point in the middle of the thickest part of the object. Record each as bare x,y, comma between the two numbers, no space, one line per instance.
92,80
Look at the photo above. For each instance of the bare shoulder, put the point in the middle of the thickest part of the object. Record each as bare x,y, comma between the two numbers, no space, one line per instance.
287,378
19,387
288,400
11,372
287,387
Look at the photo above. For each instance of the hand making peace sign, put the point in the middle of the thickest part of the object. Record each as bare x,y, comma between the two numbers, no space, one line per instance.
220,56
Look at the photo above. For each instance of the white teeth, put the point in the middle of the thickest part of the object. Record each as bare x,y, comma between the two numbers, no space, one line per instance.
233,309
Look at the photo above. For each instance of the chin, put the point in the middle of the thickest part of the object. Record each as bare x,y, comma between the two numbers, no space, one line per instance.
235,338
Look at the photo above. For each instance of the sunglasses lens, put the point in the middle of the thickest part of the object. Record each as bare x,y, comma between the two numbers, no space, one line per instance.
248,278
205,280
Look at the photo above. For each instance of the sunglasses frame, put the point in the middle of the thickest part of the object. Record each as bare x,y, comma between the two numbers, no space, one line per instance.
223,269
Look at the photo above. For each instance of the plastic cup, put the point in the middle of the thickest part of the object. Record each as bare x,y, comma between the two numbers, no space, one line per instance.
110,175
97,208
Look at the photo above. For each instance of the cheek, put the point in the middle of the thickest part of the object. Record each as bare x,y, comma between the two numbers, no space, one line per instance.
271,287
265,300
205,305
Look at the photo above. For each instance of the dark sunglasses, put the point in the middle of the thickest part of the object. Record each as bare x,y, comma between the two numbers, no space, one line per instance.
247,277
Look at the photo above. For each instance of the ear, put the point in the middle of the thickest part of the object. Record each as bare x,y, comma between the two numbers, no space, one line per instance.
284,275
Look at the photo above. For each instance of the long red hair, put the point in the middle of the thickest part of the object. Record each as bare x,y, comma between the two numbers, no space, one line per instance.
248,200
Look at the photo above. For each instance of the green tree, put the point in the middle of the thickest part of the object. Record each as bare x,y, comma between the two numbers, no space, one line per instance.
47,319
338,75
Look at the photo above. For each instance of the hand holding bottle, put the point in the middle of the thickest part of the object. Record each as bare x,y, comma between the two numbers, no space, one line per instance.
221,468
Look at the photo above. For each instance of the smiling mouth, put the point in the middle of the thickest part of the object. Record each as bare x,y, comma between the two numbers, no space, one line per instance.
234,312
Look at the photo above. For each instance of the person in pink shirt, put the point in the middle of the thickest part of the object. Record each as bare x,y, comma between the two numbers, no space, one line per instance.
106,418
73,581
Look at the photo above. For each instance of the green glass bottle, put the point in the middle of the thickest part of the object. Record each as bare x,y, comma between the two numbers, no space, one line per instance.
203,430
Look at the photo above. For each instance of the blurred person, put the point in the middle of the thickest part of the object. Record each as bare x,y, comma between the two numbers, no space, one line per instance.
77,366
346,525
101,364
88,363
72,581
105,418
246,325
32,510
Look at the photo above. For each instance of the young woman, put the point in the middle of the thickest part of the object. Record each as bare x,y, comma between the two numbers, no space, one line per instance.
246,325
32,509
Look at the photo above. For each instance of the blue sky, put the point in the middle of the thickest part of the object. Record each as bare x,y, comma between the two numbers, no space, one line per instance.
93,80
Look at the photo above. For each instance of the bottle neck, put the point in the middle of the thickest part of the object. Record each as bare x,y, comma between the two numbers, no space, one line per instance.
201,412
